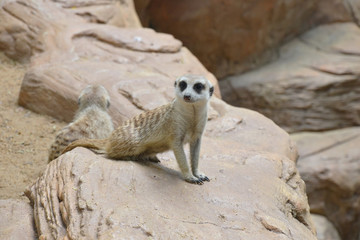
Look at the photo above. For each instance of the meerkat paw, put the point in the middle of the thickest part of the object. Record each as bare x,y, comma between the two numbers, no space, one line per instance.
154,159
202,177
194,180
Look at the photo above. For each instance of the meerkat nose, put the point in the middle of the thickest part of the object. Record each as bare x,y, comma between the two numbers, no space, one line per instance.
187,97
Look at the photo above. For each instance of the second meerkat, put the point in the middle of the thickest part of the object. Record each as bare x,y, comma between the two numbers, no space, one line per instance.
167,127
91,120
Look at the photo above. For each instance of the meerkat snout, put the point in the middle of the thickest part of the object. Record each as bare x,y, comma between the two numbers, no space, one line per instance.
187,97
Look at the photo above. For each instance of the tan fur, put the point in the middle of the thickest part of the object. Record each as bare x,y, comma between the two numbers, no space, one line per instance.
91,120
161,129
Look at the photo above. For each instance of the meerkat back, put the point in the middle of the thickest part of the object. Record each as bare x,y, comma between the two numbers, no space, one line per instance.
91,120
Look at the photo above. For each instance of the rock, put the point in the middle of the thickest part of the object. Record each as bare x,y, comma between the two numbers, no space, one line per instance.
329,164
117,13
255,191
137,66
232,36
140,76
16,220
314,85
325,230
28,28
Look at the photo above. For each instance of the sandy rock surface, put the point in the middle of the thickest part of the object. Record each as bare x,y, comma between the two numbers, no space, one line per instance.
112,12
314,85
16,221
25,136
255,191
31,27
232,36
329,164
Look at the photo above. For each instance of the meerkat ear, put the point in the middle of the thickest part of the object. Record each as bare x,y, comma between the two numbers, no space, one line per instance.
175,83
78,101
107,103
211,90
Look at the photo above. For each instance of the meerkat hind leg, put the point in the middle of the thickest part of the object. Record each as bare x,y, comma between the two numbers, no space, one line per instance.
154,159
151,158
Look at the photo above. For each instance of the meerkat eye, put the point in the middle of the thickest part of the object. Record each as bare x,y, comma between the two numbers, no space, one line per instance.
211,90
198,87
182,85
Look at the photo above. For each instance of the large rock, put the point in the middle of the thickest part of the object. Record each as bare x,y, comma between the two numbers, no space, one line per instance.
28,27
137,66
232,36
329,163
140,75
314,85
255,191
16,221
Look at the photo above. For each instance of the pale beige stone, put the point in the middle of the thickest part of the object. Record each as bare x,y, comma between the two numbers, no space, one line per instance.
329,164
233,36
314,85
325,230
16,221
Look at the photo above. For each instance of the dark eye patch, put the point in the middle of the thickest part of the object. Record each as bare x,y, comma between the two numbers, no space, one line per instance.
211,90
182,85
198,87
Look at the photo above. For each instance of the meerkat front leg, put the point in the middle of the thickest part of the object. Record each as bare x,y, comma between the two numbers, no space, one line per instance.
180,156
194,156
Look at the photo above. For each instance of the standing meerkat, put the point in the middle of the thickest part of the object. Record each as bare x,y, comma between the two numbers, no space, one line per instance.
167,127
91,120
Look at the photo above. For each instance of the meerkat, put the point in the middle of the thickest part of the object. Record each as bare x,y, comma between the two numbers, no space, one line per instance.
91,120
168,127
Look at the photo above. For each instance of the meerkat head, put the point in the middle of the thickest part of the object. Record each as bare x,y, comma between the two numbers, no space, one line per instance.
94,95
193,88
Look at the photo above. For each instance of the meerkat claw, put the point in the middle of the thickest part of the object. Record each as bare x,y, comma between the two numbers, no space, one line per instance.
199,182
195,180
205,178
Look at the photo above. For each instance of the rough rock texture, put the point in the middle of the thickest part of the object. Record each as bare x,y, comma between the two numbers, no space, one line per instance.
30,27
329,163
137,66
325,230
255,191
232,36
314,85
16,221
118,13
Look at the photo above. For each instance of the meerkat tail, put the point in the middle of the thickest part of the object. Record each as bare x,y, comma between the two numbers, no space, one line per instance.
93,144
